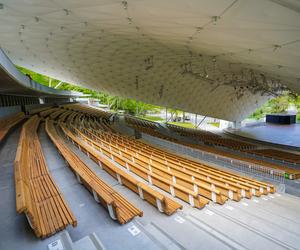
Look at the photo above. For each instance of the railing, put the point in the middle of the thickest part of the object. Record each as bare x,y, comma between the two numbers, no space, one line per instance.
272,174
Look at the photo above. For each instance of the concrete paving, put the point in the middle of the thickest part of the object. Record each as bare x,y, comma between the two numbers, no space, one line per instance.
288,135
268,222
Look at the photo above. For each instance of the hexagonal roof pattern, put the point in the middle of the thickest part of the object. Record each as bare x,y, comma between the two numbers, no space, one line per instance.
221,58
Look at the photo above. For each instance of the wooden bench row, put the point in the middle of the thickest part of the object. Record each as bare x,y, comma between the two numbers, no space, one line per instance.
190,196
290,173
86,109
119,208
160,201
140,122
211,138
48,112
7,123
192,182
36,193
38,110
173,161
277,154
214,188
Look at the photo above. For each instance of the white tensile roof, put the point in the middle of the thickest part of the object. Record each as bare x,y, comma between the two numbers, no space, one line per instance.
221,58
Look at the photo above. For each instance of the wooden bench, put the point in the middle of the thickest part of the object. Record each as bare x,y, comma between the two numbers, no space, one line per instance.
162,202
7,123
119,208
192,197
179,170
262,186
36,193
277,154
245,189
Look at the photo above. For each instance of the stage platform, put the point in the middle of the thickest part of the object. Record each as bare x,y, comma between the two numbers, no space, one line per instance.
285,135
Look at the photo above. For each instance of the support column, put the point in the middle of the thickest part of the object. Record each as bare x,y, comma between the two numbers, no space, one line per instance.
42,100
237,124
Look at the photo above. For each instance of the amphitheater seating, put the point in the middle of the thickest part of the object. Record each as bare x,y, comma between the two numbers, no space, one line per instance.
289,172
277,154
9,122
38,110
86,109
181,177
156,179
140,122
36,193
210,138
118,207
246,189
162,202
48,112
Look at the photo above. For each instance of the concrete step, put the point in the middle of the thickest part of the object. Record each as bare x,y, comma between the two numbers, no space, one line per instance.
90,242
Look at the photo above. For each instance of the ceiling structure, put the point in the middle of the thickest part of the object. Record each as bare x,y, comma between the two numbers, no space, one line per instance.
221,58
13,82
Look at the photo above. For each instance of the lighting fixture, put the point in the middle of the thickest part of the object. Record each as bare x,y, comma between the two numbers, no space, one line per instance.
215,19
125,5
276,46
66,11
199,29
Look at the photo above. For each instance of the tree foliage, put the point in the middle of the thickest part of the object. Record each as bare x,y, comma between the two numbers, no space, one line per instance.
277,105
116,103
131,106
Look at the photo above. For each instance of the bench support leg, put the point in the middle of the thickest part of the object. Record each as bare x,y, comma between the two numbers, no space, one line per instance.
195,188
29,221
96,196
261,189
230,194
174,179
119,179
159,205
150,179
111,212
172,191
213,197
191,200
141,194
78,178
243,193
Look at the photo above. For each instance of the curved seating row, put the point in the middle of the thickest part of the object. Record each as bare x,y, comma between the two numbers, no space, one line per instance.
278,155
290,173
9,122
162,202
36,193
175,163
119,208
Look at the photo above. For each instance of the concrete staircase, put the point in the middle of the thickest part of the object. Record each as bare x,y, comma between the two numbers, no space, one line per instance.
90,242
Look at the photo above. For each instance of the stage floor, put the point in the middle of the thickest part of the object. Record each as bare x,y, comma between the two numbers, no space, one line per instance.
288,135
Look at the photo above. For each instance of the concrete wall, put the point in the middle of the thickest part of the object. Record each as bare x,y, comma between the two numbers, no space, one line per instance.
6,111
